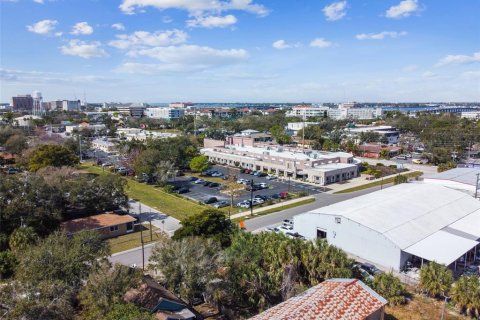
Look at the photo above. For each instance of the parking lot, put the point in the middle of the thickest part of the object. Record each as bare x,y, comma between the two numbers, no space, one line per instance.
199,192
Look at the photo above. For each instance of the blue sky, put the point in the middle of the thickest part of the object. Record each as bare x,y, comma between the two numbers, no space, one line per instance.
241,50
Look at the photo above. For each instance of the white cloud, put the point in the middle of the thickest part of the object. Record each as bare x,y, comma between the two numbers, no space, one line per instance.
404,9
212,21
320,43
184,58
195,7
39,1
83,49
429,75
281,44
459,59
118,26
381,35
43,26
58,34
335,11
141,39
82,28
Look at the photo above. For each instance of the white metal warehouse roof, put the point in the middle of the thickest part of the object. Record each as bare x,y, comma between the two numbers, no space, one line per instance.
409,212
442,247
462,175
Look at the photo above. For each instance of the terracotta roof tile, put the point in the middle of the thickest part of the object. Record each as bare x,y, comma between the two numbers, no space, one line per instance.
336,299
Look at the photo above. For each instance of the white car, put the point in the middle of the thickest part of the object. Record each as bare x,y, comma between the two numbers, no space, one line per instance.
242,181
285,229
217,174
271,177
199,181
263,185
257,201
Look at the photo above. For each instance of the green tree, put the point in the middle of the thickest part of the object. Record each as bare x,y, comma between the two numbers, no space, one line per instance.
127,312
279,134
146,162
209,223
7,263
58,258
384,154
466,295
400,179
390,287
21,238
16,144
105,288
187,265
51,155
435,279
47,300
446,166
199,163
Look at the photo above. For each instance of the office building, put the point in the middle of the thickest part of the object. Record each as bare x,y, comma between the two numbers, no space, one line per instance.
22,103
71,105
164,113
135,110
389,133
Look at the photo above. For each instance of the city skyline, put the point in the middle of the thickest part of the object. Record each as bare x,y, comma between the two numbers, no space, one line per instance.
241,51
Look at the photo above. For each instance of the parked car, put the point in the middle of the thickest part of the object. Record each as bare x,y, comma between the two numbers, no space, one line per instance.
471,270
221,204
263,185
199,181
11,171
417,161
257,201
287,222
210,200
259,196
182,190
244,204
285,229
370,268
275,196
217,174
214,185
283,195
401,157
194,179
357,268
246,171
242,181
206,183
295,235
255,187
271,177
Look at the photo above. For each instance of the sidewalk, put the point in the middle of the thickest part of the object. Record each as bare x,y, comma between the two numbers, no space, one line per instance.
159,219
276,205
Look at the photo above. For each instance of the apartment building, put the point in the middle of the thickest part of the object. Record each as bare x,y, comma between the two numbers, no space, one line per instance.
71,105
390,133
135,110
165,113
342,112
22,102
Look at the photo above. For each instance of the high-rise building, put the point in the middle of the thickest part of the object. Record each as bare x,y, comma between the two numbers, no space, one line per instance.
37,109
22,102
71,105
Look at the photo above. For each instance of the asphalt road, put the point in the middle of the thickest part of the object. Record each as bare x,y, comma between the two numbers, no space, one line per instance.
322,200
134,256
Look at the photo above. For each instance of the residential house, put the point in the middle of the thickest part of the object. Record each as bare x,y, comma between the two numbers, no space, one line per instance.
107,224
152,296
339,299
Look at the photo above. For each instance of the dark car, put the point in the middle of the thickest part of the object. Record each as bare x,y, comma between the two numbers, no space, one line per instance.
206,183
370,268
264,198
255,187
193,178
214,185
221,204
275,196
210,200
182,190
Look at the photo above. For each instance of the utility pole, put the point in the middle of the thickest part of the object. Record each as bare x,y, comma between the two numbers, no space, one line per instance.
80,146
141,234
150,221
477,185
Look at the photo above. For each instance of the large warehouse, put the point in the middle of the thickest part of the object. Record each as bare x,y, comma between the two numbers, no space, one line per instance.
395,225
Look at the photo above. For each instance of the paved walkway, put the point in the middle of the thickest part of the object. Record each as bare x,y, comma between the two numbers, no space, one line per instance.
160,220
276,205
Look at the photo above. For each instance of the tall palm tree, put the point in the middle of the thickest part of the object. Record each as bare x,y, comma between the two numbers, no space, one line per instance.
466,294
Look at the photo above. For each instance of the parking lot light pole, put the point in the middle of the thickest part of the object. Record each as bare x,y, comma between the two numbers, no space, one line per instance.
251,197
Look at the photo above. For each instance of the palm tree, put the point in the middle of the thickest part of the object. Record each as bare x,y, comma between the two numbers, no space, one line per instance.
466,295
390,287
435,279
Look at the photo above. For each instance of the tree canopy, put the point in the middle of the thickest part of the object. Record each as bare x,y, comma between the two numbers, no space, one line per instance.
51,155
199,163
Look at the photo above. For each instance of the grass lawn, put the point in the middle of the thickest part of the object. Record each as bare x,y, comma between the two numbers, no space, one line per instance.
380,182
132,240
421,308
154,197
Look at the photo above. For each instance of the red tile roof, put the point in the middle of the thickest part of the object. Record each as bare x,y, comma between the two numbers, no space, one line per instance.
95,222
334,299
